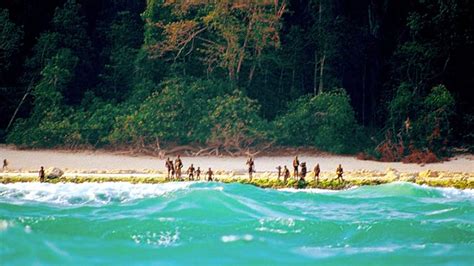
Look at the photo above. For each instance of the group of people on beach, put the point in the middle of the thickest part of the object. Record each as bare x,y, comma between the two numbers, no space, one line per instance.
175,171
297,173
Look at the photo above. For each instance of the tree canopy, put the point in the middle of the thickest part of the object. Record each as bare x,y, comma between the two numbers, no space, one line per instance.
390,78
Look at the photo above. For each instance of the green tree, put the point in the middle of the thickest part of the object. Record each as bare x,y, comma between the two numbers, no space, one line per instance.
124,37
437,30
68,31
172,114
11,37
48,124
439,109
235,122
223,35
326,121
421,123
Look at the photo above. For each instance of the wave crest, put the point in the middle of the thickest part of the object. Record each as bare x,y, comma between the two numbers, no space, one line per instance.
85,193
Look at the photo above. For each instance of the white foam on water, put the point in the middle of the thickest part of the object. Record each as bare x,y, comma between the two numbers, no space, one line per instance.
335,251
315,190
4,225
85,193
439,211
162,238
288,222
271,230
278,225
330,251
27,229
449,192
234,238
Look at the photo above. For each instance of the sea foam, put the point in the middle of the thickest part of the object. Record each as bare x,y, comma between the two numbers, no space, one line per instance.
85,193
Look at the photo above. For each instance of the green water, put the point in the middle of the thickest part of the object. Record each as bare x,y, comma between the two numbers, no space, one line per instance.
233,224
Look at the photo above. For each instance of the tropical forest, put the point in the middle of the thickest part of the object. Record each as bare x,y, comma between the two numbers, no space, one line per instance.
386,80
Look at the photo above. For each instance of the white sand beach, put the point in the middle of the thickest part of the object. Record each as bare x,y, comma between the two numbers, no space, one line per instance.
31,160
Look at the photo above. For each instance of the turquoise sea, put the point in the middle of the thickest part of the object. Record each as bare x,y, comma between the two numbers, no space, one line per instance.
232,224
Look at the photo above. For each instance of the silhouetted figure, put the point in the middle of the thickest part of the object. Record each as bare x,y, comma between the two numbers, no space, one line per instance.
317,171
279,172
209,174
41,174
191,172
251,165
339,173
296,164
286,174
5,164
169,167
198,173
304,170
178,165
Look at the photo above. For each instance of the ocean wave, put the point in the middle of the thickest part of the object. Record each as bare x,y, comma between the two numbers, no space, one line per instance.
179,223
243,197
394,189
85,193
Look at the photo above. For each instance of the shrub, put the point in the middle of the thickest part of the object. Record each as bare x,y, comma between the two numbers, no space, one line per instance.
234,121
171,114
418,128
326,121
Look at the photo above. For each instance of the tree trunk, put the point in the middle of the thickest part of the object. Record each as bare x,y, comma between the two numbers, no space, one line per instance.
321,74
315,77
28,90
364,75
321,70
280,80
293,79
252,71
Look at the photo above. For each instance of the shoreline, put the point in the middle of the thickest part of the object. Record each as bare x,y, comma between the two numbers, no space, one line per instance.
101,166
266,180
99,161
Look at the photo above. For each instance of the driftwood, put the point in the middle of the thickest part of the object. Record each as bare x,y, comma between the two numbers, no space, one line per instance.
215,149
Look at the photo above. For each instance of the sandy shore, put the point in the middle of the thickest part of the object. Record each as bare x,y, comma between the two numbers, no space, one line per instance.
100,166
31,160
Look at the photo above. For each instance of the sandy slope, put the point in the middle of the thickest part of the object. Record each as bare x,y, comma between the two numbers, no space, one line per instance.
24,160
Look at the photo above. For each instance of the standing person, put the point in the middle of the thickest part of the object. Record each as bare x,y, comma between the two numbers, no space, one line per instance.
191,172
279,172
286,174
5,164
172,170
296,164
198,173
251,165
339,173
178,164
209,174
169,167
41,174
317,171
303,171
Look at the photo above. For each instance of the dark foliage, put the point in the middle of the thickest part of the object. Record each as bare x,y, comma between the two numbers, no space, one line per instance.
234,75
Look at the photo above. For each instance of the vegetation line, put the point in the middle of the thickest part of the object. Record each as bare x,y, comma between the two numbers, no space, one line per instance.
461,183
